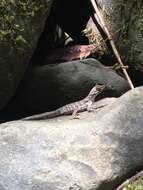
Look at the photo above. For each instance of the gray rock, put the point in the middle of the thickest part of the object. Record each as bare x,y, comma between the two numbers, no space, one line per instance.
51,86
96,152
124,20
26,21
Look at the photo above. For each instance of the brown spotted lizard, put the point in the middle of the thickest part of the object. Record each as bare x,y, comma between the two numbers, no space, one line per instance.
72,108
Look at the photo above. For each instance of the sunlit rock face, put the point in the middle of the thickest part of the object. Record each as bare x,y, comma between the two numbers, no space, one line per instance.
95,152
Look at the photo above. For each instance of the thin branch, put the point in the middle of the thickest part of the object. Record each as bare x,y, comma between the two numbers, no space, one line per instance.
112,43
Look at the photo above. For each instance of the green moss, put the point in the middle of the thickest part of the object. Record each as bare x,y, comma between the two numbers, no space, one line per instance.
94,38
124,33
140,21
138,7
12,12
136,185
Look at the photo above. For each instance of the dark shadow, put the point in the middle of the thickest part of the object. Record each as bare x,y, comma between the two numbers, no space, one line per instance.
72,17
66,16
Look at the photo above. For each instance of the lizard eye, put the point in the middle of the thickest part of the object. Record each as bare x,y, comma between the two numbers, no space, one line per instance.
99,86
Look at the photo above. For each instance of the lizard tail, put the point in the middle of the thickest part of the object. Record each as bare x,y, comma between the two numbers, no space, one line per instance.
46,115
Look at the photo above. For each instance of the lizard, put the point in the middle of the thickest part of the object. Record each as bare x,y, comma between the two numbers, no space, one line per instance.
72,108
71,53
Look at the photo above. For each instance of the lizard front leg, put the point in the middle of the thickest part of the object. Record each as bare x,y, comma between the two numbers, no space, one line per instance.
89,106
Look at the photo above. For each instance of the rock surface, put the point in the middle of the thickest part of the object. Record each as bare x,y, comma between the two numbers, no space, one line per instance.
51,86
124,20
96,152
21,26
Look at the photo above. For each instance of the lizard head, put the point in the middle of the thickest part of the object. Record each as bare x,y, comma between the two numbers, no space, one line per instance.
99,87
95,91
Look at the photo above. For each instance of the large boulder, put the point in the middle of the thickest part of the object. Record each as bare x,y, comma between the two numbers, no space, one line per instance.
96,152
124,21
21,25
51,86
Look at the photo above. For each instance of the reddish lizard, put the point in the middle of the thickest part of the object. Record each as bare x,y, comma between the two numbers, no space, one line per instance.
71,53
72,108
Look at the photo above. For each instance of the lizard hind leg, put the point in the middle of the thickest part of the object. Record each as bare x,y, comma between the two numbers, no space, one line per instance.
75,114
